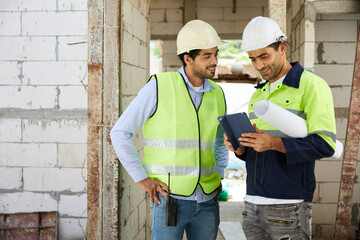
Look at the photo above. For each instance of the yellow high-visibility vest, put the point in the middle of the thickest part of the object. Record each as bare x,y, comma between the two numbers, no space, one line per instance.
178,139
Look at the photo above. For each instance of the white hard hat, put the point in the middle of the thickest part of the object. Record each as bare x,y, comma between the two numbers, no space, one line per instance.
197,34
260,32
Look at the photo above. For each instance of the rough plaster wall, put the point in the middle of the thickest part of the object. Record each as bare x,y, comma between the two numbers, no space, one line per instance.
134,210
167,20
43,105
336,36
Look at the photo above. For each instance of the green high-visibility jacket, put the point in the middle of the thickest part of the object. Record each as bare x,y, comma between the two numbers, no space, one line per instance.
301,100
178,139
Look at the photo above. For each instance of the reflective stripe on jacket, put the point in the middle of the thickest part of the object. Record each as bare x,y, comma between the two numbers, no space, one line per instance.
178,139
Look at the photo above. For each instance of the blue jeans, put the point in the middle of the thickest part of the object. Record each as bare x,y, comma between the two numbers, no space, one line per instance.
198,220
279,221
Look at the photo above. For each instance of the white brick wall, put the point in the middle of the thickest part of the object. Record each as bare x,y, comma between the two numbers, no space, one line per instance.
73,205
72,155
71,228
27,48
27,97
28,155
10,178
27,202
43,65
42,23
10,130
10,23
25,5
42,73
55,131
13,72
54,179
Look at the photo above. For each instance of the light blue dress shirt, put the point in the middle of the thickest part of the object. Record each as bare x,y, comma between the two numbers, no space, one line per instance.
135,116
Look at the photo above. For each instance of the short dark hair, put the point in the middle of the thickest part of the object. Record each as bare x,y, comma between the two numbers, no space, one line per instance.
192,54
276,45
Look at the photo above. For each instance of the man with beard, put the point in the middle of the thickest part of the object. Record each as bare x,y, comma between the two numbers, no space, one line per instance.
183,141
280,170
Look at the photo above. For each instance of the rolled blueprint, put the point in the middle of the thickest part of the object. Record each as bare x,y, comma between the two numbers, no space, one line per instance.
287,122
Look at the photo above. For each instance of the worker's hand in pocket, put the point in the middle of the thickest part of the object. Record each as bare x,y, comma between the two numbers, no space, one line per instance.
229,147
152,187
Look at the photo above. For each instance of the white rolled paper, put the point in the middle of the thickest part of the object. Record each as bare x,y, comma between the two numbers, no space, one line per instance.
287,122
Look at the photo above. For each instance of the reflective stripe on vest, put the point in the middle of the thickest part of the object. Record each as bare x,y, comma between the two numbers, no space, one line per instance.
180,170
178,143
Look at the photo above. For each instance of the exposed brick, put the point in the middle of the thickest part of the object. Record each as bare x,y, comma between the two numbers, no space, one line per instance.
48,219
29,220
22,234
48,234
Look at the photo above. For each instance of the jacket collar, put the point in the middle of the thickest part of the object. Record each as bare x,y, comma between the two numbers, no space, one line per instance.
292,78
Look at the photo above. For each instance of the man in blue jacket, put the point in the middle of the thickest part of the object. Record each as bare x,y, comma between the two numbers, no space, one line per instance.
280,170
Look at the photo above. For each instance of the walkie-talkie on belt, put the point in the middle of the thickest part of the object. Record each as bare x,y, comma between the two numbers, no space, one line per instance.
171,208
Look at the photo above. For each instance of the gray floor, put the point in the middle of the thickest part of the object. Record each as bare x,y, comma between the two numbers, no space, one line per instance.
230,221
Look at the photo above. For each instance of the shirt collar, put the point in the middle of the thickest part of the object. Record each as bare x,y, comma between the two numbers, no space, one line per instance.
206,86
292,78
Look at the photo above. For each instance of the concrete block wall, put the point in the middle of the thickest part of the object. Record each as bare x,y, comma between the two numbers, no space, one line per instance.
167,20
336,37
134,210
43,105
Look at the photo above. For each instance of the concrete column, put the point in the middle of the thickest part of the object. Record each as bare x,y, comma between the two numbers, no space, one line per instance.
277,12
